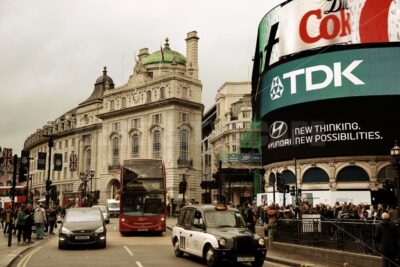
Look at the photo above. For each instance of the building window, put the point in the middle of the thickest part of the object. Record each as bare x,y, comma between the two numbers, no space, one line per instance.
135,146
65,173
136,123
112,105
66,143
157,144
60,144
246,125
234,148
65,156
115,126
123,102
88,159
184,117
162,93
233,126
233,137
183,153
246,114
115,151
73,142
148,96
157,118
184,93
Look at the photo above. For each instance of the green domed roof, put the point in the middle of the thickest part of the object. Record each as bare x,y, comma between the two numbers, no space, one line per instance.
165,55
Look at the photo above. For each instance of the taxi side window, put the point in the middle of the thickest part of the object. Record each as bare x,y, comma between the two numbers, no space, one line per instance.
188,217
198,220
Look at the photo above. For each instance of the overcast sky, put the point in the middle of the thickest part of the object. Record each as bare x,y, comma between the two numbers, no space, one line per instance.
51,52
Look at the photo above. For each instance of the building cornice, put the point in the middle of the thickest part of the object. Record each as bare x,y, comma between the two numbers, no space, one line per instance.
152,105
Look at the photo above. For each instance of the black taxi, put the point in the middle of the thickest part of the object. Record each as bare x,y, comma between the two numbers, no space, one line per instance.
217,233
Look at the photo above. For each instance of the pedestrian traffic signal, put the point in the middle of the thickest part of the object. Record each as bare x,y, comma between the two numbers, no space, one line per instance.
182,187
287,188
53,192
280,183
298,191
293,190
23,173
48,185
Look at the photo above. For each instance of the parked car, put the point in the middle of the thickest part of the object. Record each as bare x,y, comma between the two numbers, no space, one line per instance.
217,233
104,210
82,226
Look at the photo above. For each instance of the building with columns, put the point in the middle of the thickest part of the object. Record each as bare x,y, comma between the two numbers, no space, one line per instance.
157,113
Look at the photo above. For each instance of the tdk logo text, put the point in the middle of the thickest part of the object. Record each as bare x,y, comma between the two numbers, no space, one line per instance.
332,75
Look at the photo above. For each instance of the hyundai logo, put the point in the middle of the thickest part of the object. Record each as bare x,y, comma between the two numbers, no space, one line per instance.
278,129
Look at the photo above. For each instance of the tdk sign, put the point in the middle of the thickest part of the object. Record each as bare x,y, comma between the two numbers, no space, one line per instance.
331,74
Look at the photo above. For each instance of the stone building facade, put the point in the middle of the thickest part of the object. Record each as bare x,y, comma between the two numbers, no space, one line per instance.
157,113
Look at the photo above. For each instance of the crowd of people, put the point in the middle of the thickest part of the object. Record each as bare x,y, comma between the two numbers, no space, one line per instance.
26,218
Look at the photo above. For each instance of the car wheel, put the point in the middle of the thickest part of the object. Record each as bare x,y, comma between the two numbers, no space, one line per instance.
61,245
210,257
103,244
257,263
178,251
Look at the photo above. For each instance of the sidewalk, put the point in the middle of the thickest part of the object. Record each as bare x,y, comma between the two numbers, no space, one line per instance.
8,254
293,259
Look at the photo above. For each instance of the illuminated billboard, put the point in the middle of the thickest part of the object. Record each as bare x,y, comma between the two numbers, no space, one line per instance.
337,103
301,25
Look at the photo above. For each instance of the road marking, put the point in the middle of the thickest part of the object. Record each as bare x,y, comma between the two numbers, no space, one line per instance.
27,257
128,250
139,264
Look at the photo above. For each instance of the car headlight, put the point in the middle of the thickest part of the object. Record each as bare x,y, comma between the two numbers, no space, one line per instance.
261,242
222,242
100,230
65,231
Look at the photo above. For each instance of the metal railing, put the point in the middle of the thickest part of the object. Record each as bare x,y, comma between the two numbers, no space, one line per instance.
349,236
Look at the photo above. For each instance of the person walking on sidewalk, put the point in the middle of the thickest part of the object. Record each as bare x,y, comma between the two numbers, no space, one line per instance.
9,215
20,224
51,220
40,219
28,224
386,237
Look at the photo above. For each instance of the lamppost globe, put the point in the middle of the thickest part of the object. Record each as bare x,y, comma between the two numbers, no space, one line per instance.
395,151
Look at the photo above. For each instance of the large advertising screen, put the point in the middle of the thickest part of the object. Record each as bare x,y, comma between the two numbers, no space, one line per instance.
338,103
300,25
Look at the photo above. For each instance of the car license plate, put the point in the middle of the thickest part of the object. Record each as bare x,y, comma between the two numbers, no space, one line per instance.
82,237
243,259
143,229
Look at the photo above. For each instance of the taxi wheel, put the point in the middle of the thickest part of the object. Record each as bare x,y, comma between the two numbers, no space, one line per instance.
178,252
210,257
258,263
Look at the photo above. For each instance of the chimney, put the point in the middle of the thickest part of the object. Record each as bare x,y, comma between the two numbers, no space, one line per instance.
192,63
144,52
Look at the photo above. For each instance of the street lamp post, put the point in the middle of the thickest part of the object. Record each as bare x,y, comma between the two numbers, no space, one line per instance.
48,181
85,177
395,154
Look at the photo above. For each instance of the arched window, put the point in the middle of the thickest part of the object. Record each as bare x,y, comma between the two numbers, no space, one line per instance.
387,173
112,105
115,151
271,179
123,102
183,153
88,157
352,174
315,175
288,177
135,146
162,93
157,144
148,96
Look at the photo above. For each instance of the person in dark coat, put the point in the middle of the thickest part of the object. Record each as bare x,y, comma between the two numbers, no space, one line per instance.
386,236
250,217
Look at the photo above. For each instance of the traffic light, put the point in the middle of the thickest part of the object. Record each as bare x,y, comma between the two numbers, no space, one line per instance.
280,183
23,173
182,187
48,185
287,188
293,190
53,193
298,191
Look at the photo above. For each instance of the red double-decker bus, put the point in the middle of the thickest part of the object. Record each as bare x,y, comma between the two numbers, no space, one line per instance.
5,200
142,196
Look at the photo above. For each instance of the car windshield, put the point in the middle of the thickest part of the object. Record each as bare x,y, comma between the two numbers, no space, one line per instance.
113,205
102,208
83,216
224,219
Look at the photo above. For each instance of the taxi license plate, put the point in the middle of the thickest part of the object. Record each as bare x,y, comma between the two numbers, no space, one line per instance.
243,259
143,230
82,237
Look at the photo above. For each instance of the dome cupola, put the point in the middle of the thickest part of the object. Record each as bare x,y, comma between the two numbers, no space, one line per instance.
165,55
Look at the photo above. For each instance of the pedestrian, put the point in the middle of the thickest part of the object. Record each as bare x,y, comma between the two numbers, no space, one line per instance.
39,217
28,224
9,215
20,224
386,237
51,219
250,218
2,217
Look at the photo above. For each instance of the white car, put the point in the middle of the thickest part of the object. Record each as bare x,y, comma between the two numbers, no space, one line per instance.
216,234
104,211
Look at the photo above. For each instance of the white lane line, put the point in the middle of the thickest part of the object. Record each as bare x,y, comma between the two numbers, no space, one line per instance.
139,264
128,250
